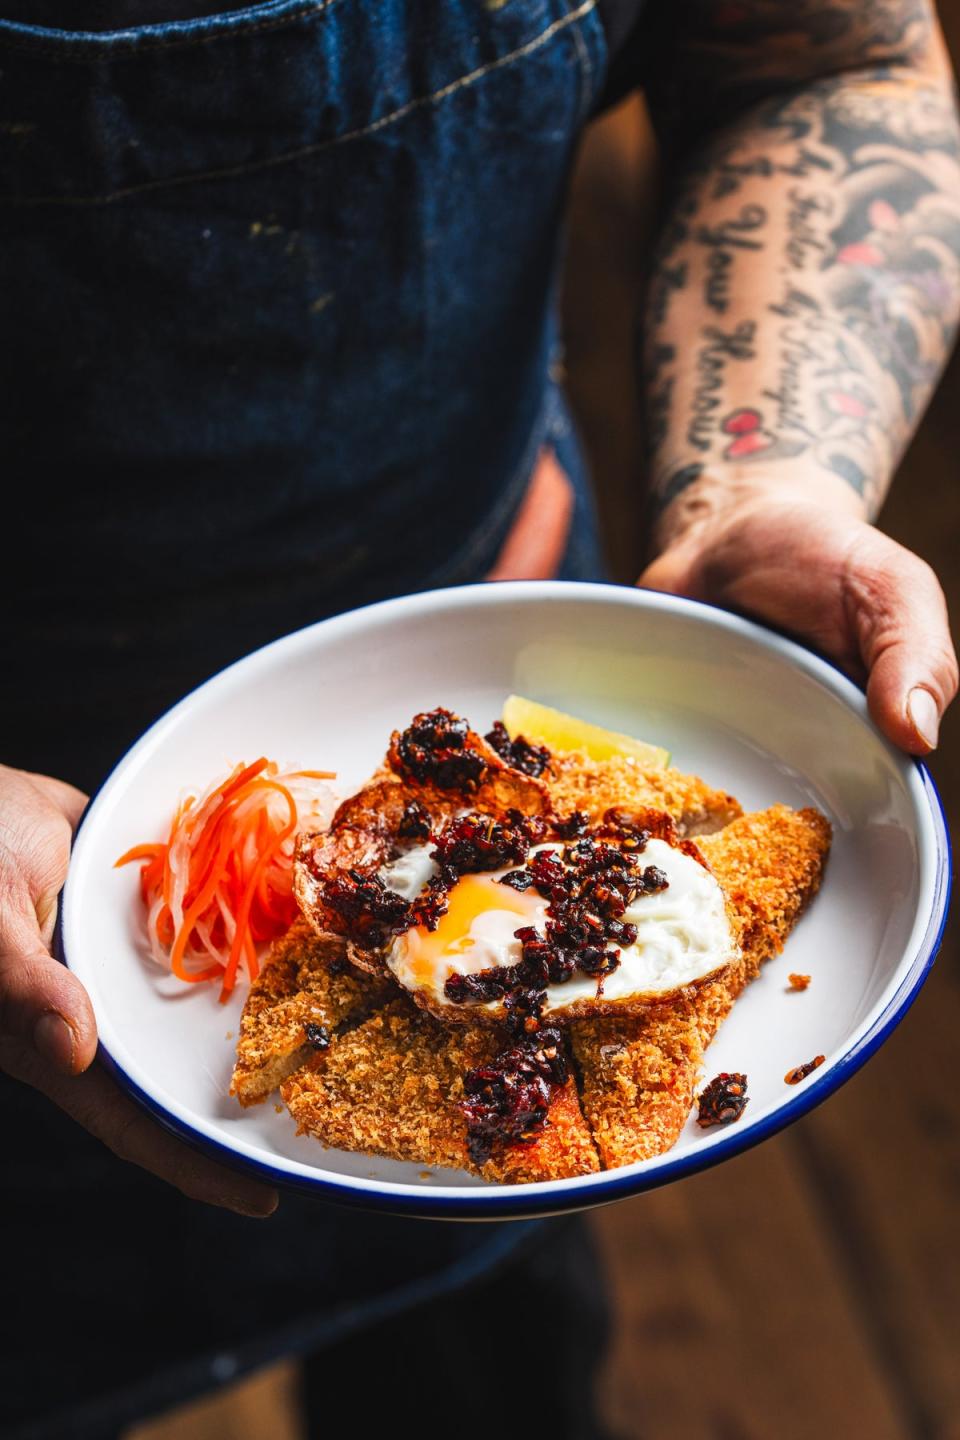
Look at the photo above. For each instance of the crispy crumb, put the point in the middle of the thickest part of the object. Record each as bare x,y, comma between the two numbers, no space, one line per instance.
770,865
278,1108
638,1079
800,1072
798,982
229,1035
393,1085
593,786
299,989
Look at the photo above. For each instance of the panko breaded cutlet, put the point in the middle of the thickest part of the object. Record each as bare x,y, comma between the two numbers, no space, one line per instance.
304,982
575,782
389,1081
391,1084
639,1075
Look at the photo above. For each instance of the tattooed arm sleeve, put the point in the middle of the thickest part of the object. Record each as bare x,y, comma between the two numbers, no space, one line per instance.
807,285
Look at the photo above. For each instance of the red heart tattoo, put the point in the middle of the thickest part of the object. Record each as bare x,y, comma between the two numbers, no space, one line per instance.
749,437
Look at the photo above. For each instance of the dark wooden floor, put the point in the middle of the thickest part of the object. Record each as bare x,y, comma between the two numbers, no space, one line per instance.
812,1286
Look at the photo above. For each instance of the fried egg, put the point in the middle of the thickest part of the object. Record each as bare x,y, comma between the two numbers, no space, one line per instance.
683,936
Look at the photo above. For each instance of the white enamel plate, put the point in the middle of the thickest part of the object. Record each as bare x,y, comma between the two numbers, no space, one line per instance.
751,712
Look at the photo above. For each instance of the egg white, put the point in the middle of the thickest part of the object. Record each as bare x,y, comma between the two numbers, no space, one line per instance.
683,937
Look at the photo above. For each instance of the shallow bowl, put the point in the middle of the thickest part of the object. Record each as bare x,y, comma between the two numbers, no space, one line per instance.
750,711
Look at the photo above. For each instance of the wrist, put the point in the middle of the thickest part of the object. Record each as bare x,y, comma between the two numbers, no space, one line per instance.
695,499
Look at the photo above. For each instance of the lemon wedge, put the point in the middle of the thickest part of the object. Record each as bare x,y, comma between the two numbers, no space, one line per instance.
557,731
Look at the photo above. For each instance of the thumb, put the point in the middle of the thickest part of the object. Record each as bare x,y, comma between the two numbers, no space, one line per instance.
899,617
40,1000
676,571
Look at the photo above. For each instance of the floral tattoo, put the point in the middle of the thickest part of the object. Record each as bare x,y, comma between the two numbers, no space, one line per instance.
807,285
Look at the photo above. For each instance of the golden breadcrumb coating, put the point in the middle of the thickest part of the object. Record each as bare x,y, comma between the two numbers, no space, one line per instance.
296,987
576,782
638,1078
392,1086
639,1075
389,1087
770,866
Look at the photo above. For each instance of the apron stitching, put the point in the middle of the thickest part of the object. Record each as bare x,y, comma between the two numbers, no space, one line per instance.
232,171
149,44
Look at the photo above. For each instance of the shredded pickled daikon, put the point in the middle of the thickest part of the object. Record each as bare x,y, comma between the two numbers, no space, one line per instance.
220,888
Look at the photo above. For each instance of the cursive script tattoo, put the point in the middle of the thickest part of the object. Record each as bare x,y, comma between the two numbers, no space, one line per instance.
721,243
719,348
817,213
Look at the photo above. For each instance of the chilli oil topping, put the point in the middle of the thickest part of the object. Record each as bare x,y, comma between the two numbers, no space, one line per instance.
521,754
723,1101
507,1100
800,1072
438,748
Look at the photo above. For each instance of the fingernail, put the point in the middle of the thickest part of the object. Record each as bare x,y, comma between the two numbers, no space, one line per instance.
53,1039
924,715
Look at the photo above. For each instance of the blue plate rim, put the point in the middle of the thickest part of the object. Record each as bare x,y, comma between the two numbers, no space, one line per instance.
608,1186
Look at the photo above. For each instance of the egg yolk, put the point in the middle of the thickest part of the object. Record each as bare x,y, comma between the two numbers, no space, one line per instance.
470,897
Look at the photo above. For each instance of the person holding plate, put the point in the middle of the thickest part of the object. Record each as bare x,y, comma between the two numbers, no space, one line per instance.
280,338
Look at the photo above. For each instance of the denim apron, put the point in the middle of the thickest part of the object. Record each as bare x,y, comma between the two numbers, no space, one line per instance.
278,317
304,257
278,324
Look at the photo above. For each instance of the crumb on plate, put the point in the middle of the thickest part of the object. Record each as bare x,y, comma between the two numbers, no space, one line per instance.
800,1072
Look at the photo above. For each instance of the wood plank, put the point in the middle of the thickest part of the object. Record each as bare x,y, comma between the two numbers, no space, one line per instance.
734,1320
884,1157
265,1404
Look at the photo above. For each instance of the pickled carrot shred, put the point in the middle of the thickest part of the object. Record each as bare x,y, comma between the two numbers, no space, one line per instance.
219,889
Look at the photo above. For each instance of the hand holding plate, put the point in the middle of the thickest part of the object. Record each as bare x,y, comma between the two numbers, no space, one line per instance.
48,1034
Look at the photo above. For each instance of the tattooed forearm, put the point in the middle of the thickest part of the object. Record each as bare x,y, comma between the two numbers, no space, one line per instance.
807,289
